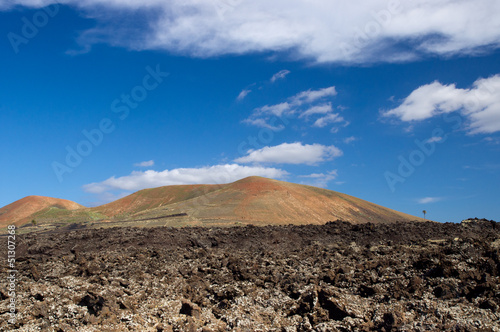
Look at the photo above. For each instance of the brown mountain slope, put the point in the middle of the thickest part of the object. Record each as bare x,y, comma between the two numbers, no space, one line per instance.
147,199
21,211
259,201
253,200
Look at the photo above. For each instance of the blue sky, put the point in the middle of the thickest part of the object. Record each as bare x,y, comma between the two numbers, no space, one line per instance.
397,104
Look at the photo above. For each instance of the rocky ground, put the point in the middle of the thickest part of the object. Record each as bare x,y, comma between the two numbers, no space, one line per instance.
335,277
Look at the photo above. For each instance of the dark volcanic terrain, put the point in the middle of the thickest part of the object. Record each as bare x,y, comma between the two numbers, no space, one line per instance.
414,276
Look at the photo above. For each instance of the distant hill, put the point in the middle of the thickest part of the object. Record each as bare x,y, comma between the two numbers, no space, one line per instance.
147,199
22,211
253,200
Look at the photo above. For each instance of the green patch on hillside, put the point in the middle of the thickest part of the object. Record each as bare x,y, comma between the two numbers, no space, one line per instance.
57,215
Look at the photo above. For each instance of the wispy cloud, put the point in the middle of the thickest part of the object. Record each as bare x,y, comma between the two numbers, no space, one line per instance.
320,179
434,139
350,139
328,119
310,96
323,30
203,175
263,123
148,163
291,153
243,94
106,197
304,105
428,200
492,140
317,109
279,75
479,105
274,110
484,167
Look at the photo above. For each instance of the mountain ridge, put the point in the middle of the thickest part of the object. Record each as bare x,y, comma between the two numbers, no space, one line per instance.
252,200
21,211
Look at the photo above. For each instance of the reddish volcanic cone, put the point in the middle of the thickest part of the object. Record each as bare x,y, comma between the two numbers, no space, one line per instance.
20,212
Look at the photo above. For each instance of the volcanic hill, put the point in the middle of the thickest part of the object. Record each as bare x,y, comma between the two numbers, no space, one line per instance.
253,200
22,211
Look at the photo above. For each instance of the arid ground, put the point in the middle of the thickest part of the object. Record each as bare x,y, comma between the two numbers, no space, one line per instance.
421,276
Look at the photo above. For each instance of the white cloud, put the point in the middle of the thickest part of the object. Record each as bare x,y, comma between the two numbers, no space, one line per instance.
320,179
492,140
434,139
328,119
429,100
309,96
323,30
263,123
427,200
275,110
306,104
484,167
145,164
317,109
106,197
243,94
203,175
480,105
291,153
279,75
266,116
350,139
